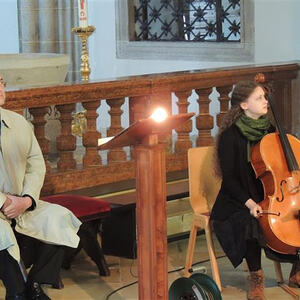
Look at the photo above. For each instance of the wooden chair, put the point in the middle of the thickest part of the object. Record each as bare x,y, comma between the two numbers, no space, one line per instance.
203,186
91,212
282,284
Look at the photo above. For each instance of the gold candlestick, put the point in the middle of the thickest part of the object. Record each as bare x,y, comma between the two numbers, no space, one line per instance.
84,33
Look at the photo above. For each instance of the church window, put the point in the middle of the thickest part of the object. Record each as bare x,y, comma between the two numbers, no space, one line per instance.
187,20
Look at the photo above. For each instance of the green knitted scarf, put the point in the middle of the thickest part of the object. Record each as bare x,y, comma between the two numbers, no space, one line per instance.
252,129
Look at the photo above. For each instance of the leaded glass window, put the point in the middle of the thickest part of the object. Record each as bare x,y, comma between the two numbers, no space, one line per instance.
187,20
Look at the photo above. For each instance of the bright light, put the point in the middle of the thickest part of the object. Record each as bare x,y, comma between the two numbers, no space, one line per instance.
159,115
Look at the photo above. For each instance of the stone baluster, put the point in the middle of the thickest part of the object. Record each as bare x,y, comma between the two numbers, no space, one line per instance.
39,123
204,121
115,112
91,135
183,140
66,142
224,102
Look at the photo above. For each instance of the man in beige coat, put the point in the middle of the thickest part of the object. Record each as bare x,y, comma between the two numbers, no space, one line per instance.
37,229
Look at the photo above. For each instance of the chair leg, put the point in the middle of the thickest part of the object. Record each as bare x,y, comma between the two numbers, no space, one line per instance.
88,238
190,250
212,256
278,272
281,283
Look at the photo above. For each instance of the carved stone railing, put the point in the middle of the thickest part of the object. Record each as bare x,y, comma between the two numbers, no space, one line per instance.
143,93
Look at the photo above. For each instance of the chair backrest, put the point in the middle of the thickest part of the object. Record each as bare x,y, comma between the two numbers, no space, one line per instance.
203,183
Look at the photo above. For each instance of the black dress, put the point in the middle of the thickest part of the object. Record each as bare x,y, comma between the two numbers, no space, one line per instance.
232,221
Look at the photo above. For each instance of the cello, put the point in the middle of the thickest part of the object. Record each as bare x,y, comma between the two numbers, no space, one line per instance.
275,160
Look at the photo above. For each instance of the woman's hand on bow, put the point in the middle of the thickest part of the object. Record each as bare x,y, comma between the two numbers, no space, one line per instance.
255,209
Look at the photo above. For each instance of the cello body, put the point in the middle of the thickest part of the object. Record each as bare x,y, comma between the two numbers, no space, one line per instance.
280,224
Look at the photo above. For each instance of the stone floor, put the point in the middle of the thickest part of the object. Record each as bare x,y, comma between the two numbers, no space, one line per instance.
83,282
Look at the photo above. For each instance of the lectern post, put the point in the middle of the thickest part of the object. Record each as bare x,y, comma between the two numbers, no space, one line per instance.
151,201
151,219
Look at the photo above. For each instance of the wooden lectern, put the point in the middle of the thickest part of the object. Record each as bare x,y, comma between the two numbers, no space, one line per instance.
151,200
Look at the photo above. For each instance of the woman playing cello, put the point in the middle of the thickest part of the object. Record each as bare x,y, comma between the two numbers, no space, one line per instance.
237,206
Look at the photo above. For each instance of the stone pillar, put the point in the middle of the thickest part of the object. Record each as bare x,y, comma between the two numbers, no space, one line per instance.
68,43
45,26
28,25
48,26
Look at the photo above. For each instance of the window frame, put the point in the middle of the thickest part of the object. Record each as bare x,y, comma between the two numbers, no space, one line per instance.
205,51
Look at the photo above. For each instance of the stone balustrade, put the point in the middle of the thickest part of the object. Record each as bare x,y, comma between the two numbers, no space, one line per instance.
143,94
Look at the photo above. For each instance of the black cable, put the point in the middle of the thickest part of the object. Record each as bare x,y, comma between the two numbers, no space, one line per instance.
176,270
196,263
134,255
131,272
120,288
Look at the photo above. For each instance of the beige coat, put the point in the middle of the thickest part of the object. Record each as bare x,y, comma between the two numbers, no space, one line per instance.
25,166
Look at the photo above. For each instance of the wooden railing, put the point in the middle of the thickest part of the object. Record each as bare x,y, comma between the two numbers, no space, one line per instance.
144,93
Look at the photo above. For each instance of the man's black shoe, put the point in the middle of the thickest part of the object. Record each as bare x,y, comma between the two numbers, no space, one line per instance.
17,296
35,292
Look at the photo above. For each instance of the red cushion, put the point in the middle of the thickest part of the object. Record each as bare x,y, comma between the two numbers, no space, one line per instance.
80,206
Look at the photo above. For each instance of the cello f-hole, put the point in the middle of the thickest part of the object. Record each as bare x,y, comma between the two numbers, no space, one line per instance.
281,190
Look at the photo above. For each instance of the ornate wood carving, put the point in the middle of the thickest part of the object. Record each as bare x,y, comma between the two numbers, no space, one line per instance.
115,112
204,121
183,139
224,102
91,136
39,123
66,142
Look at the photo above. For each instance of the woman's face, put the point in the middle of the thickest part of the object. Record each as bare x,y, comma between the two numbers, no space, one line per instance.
256,105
